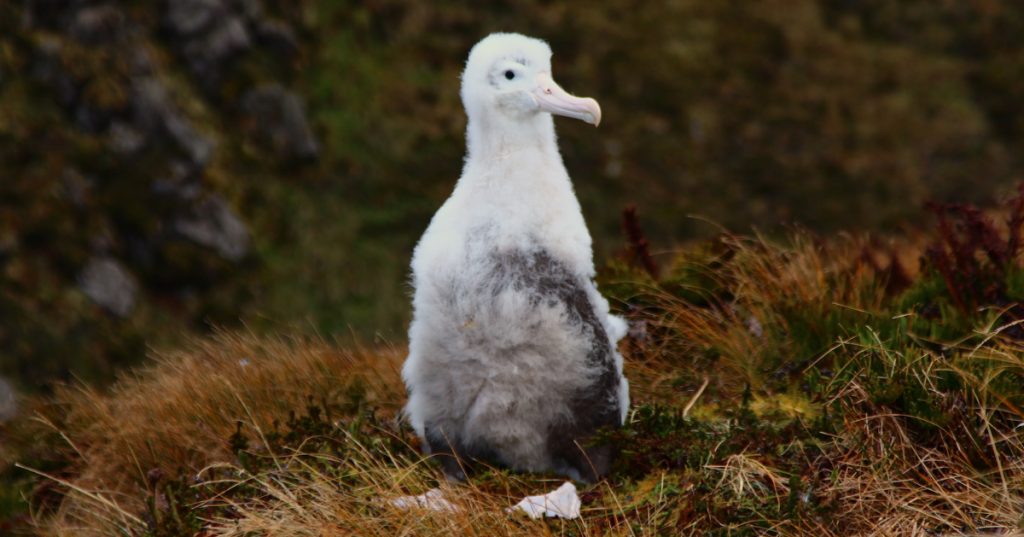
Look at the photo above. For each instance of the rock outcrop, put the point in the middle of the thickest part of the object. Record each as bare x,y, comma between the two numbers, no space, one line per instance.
208,34
127,204
213,224
109,285
141,115
276,117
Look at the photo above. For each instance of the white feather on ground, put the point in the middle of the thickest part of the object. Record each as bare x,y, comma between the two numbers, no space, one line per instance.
563,502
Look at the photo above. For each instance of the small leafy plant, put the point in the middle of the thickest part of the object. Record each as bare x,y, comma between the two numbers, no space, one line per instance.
976,260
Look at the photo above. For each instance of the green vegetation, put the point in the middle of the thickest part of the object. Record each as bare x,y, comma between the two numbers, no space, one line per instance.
836,115
810,387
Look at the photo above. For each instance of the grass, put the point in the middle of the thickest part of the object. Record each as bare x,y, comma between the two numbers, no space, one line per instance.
801,388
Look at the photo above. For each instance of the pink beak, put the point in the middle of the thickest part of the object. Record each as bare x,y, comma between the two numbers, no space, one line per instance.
552,98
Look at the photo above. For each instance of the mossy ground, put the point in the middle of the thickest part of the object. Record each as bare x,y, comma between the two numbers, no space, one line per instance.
778,388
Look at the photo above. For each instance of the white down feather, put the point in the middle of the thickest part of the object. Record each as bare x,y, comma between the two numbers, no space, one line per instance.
496,368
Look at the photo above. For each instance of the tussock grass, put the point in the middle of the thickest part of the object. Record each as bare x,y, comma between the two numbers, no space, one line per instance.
785,389
177,414
744,304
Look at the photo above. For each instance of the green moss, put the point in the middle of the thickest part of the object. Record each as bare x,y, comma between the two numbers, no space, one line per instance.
1015,285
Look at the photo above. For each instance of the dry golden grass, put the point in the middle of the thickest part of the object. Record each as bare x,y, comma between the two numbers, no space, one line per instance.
177,413
873,475
314,504
892,485
816,277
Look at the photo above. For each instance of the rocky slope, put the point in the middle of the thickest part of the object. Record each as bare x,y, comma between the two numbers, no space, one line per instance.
172,165
110,193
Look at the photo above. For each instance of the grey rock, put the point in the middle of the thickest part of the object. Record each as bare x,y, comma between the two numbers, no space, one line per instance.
156,115
209,34
251,9
124,139
150,104
198,148
207,55
182,182
277,36
278,119
109,285
8,401
77,187
213,224
48,69
186,17
226,39
97,24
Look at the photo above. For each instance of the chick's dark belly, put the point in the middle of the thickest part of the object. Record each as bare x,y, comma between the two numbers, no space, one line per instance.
544,374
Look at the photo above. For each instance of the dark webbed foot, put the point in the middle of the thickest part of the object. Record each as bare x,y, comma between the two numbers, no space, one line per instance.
588,464
445,453
452,467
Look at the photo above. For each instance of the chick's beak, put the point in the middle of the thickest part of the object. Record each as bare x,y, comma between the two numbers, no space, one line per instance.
552,98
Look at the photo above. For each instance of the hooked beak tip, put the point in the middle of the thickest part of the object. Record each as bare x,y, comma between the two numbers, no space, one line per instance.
592,114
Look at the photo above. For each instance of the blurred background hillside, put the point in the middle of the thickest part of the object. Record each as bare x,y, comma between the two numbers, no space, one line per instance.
170,166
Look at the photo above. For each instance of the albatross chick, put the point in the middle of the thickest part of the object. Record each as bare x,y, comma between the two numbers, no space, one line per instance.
512,350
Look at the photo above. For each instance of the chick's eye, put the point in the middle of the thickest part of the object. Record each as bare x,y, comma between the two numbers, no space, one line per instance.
509,75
